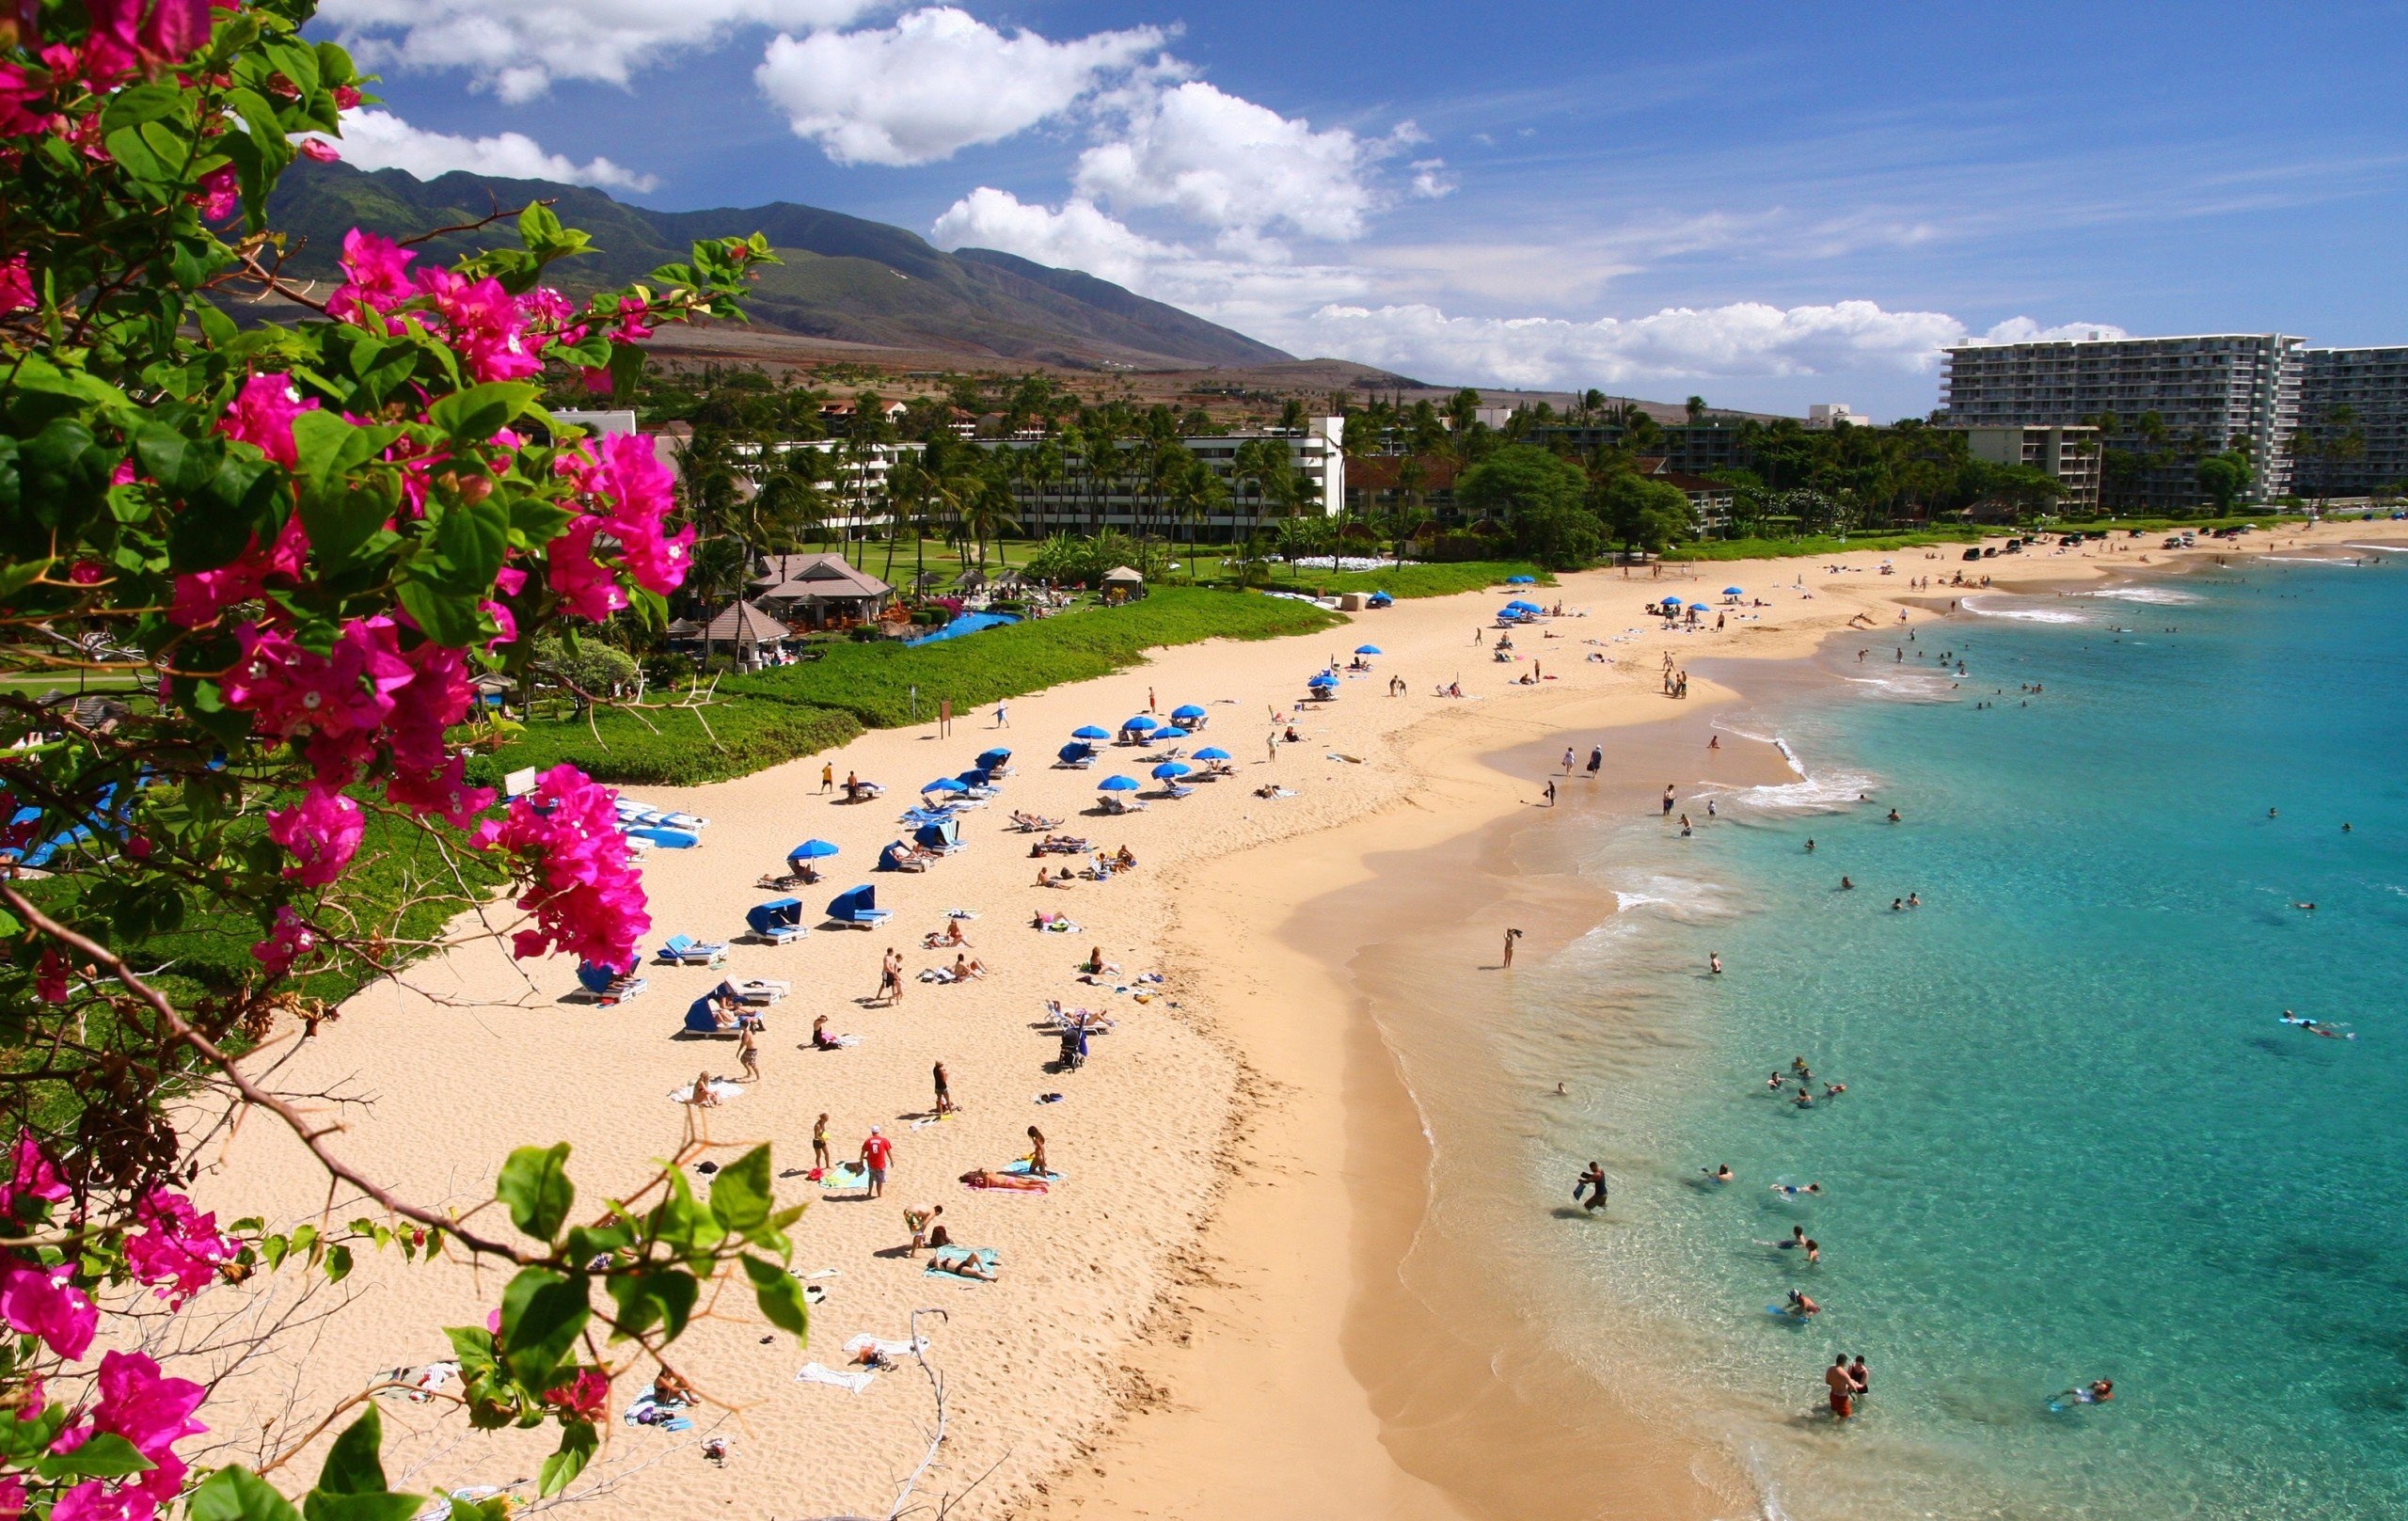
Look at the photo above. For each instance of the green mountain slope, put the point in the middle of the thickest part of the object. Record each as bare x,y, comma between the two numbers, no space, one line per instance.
844,277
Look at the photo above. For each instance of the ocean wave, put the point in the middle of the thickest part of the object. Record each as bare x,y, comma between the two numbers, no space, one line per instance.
1688,899
1812,793
2380,548
2162,594
1922,686
2037,615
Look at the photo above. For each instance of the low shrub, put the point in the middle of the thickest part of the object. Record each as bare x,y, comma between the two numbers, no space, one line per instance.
672,747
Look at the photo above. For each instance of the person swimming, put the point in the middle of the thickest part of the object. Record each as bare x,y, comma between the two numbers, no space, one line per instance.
1801,1307
2098,1391
1793,1191
1804,1100
1847,885
1720,1174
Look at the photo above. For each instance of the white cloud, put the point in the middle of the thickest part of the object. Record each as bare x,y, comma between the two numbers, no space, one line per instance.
518,47
936,82
1431,181
1238,168
1746,339
2024,330
380,140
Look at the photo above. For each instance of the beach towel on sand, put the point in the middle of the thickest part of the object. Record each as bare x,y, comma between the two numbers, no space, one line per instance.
644,1410
892,1347
721,1089
1025,1169
845,1175
985,1256
814,1373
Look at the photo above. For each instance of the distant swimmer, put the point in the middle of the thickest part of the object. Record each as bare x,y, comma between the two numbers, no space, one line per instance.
1800,1306
2345,828
1894,816
1798,1065
2270,813
1914,900
1720,1174
1897,905
1805,1099
1832,1090
1847,886
1790,1190
1714,962
2098,1391
1775,1082
1593,1182
1809,845
2329,1031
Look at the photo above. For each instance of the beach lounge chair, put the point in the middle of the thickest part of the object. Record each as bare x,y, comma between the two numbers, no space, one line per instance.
759,992
674,839
996,762
608,985
1118,805
701,1017
859,907
683,950
777,922
632,812
1075,756
942,836
898,856
1064,844
863,791
1033,824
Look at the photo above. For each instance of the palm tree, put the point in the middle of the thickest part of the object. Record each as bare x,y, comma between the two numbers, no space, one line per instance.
986,506
1196,493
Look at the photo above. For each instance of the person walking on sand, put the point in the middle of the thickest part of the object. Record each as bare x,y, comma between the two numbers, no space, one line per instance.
1596,760
1511,936
876,1151
1550,792
1567,760
889,980
819,1157
1002,715
1842,1386
1668,800
1037,1164
827,777
748,1054
945,1090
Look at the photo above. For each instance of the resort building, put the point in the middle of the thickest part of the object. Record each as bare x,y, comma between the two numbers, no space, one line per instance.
2205,392
2069,456
1387,482
1081,502
2352,437
1691,448
818,591
1824,416
1710,501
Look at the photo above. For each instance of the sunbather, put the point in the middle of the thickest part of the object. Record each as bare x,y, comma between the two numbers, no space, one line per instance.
670,1389
701,1096
1095,965
1124,861
962,1261
951,935
1015,1182
899,857
965,968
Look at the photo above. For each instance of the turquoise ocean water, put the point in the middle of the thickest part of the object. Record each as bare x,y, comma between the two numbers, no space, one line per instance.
2076,1141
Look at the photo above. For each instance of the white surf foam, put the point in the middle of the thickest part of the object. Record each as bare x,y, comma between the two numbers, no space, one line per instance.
1922,687
1818,794
2036,615
2155,595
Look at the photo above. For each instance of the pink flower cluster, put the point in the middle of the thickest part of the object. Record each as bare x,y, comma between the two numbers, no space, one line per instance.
201,595
151,1411
340,710
16,276
586,899
180,1249
262,415
129,37
289,942
586,1396
37,1299
631,494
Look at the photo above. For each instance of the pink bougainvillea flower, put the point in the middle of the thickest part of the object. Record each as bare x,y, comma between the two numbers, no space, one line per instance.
484,324
32,1175
375,279
16,279
585,587
20,92
180,1249
585,898
319,150
632,313
39,1301
152,1413
219,194
586,1396
12,1498
262,415
49,978
95,1499
346,98
331,706
290,941
322,834
204,594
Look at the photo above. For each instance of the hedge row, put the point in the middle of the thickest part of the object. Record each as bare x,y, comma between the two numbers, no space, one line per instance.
672,747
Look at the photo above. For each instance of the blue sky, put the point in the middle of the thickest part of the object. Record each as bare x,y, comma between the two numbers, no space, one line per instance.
1769,205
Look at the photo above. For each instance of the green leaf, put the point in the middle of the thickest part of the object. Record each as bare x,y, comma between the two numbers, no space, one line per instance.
478,413
16,577
338,1264
447,619
627,368
472,1348
182,465
318,1505
536,1185
780,1295
351,1466
741,1193
215,325
104,1456
648,1299
139,104
542,1313
343,515
536,522
236,1493
577,1442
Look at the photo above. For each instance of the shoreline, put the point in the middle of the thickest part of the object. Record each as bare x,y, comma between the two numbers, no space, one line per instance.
1172,1334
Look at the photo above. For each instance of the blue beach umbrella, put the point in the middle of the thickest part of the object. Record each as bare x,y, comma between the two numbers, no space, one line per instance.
1732,591
991,758
1367,649
1168,769
1090,732
1672,602
1324,680
1117,783
1142,724
945,783
1211,753
811,850
1521,581
1187,712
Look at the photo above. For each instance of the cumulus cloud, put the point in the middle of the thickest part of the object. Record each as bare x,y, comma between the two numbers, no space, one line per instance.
1236,168
936,82
1431,181
1745,340
518,47
379,140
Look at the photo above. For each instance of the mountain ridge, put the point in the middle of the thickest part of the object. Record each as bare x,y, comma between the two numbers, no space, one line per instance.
844,277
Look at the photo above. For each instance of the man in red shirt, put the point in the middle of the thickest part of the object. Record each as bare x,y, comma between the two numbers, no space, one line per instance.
877,1152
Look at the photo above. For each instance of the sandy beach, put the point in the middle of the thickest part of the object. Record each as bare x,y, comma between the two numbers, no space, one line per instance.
1201,1319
